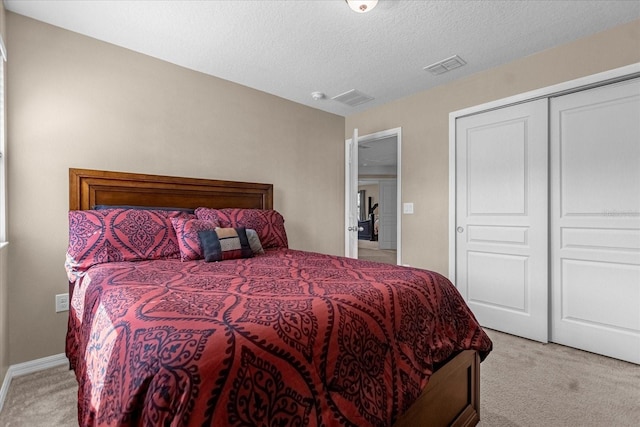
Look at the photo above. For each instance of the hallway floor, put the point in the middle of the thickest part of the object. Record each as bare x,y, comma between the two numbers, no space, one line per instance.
370,251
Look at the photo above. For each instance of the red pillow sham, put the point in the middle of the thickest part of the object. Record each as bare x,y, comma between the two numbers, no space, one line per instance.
108,235
187,230
269,224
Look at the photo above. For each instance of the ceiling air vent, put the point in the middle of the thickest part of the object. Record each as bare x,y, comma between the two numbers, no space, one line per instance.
352,98
445,65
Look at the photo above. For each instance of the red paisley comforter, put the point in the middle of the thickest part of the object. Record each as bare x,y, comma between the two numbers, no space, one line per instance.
288,338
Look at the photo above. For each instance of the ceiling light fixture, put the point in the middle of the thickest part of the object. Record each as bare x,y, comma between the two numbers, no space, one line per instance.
362,6
317,96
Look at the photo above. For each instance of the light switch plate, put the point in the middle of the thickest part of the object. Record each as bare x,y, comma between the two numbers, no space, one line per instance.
407,208
62,302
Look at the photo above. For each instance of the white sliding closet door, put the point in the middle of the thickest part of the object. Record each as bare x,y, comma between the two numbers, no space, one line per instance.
595,220
502,216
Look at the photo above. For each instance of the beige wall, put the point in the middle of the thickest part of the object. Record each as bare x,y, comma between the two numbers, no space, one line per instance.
4,306
78,102
424,119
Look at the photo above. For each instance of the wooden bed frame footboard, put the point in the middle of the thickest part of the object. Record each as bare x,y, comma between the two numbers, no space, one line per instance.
452,396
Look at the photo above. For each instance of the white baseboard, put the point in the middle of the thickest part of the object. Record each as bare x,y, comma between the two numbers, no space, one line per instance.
30,367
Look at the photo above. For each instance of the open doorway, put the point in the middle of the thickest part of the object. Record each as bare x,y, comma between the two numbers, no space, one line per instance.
378,197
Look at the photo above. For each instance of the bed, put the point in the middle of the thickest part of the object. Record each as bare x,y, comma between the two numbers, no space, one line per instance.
278,337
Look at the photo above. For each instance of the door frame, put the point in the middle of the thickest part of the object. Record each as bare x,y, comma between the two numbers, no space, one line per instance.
599,79
397,132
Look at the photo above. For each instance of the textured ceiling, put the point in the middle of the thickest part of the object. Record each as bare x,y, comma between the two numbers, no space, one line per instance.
293,48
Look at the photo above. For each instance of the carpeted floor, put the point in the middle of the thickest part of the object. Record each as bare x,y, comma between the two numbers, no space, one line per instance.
523,383
42,399
371,251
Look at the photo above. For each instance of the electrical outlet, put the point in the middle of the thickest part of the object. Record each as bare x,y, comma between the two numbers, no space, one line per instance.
62,302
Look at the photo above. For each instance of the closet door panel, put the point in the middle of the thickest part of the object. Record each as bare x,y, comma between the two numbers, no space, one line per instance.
595,220
501,218
583,290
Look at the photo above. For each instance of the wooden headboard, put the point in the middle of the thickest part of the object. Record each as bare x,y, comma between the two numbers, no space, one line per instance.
88,188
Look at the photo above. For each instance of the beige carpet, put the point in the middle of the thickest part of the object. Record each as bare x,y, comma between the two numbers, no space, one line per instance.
370,251
42,399
523,383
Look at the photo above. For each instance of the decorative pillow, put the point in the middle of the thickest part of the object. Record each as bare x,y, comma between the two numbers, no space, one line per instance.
187,233
225,243
269,224
254,241
108,235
